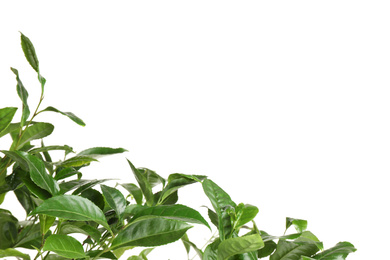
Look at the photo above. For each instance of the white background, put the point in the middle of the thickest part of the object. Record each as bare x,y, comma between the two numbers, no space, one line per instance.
284,104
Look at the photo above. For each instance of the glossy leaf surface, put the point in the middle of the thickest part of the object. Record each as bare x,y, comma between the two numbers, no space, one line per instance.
23,94
143,184
115,199
338,252
299,224
70,115
135,191
286,250
150,232
178,212
10,252
72,207
65,246
239,245
35,131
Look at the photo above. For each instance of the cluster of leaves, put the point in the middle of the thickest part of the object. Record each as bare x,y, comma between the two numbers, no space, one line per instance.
70,217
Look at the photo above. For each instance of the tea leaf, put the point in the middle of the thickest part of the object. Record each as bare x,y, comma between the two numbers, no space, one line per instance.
23,94
135,191
38,173
178,212
239,245
70,115
29,52
244,214
77,161
80,227
299,224
143,184
97,152
72,207
35,131
338,252
150,232
293,251
13,252
6,116
65,246
115,199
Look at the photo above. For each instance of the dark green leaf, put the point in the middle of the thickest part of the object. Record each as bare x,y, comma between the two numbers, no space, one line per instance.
32,187
143,184
8,229
29,52
65,148
87,185
64,245
150,232
213,217
30,236
24,197
12,128
135,191
97,152
6,116
107,255
46,222
35,131
211,251
269,246
94,196
15,156
13,252
178,212
72,116
65,173
72,208
115,199
338,252
188,244
38,173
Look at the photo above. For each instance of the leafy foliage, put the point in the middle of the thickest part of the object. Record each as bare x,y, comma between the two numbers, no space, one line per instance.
60,203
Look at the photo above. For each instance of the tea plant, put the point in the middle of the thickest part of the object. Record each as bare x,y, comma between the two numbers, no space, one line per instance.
70,217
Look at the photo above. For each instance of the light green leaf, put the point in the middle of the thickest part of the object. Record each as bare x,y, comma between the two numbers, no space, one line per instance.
35,131
65,246
150,232
115,199
70,115
211,251
299,224
13,252
177,211
72,207
80,227
6,116
239,245
143,184
97,152
65,148
153,178
244,214
77,161
338,252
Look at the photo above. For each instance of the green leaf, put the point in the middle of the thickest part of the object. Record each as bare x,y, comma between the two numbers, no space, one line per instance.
211,251
6,116
23,94
152,177
239,245
70,115
10,129
13,252
150,232
82,228
135,191
115,199
177,181
244,214
97,152
65,246
300,225
72,207
87,185
94,196
338,252
107,255
35,131
65,173
77,161
222,204
29,52
269,246
46,222
143,184
38,173
286,250
65,148
188,244
9,229
177,211
24,197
